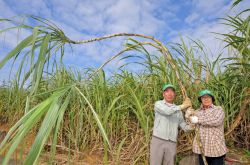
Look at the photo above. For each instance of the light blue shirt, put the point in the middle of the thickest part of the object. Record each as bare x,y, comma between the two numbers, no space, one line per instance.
168,117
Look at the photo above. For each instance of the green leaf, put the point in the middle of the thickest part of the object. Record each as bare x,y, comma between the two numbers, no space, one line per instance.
14,52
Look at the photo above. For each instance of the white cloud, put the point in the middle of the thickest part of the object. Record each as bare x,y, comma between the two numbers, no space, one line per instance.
203,12
95,17
89,20
5,10
205,7
205,33
191,18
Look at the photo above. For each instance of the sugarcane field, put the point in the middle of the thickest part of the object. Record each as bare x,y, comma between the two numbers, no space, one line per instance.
125,82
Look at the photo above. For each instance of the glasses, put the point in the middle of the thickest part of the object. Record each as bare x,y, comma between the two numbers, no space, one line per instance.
206,97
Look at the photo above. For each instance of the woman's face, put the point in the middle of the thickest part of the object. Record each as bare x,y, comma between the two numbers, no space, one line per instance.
206,100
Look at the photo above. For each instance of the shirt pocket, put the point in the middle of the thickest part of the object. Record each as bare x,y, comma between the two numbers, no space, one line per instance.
157,123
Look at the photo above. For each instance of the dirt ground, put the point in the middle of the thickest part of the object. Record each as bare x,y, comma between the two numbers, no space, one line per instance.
234,156
61,157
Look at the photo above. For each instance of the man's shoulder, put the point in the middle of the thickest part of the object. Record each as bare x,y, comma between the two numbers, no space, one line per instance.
159,102
163,102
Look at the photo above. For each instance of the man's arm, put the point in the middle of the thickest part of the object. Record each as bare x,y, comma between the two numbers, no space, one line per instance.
164,109
184,126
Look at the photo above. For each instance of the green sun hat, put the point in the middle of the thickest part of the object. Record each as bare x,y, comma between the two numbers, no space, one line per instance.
165,86
206,92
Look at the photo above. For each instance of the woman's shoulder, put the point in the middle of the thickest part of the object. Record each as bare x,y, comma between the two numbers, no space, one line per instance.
217,107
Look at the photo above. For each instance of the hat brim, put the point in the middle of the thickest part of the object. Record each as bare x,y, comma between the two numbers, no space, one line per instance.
213,99
169,87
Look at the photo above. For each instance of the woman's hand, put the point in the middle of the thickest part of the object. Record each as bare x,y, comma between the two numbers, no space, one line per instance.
193,119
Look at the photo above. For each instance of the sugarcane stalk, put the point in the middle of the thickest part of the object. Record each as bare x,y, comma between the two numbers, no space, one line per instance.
163,49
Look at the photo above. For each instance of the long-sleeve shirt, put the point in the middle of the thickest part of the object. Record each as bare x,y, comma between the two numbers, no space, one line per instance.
168,117
211,131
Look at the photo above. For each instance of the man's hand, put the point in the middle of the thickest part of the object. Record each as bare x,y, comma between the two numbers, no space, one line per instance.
192,127
193,119
186,103
189,112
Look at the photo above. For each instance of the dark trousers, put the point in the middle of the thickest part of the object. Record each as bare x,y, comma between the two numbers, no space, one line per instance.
213,160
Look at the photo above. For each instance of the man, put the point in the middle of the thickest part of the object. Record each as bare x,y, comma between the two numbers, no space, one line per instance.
210,120
168,117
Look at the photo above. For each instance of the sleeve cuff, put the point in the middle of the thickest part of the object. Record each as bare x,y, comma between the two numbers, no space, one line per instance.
178,108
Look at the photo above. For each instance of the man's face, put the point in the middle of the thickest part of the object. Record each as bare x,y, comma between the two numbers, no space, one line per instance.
169,95
206,100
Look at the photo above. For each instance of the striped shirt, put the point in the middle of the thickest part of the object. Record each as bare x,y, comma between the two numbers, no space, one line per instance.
211,131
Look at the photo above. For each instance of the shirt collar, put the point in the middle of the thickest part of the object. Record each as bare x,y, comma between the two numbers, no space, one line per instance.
211,106
168,104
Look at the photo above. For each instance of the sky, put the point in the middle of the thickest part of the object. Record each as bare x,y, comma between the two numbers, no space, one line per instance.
166,20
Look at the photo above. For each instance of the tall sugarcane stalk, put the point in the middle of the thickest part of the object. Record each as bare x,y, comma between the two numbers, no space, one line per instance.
163,49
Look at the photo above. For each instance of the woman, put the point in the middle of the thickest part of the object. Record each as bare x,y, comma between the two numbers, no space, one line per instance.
210,123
